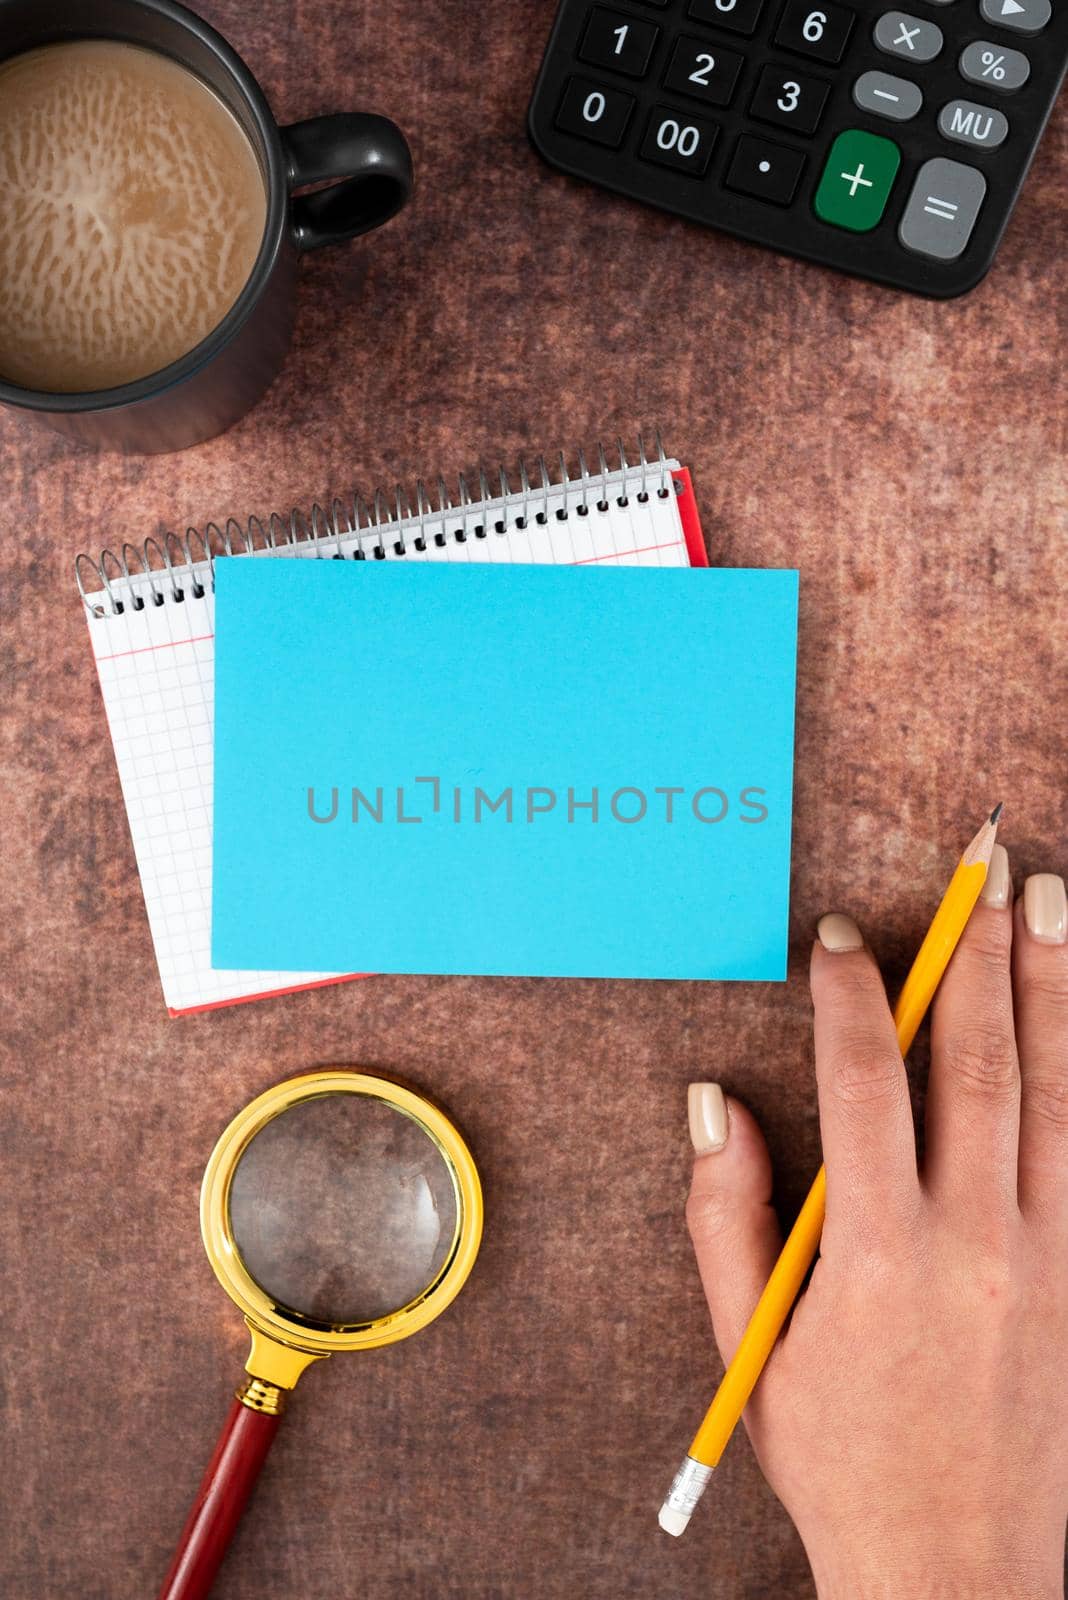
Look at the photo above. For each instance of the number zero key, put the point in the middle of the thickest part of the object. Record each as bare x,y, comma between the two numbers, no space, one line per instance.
593,111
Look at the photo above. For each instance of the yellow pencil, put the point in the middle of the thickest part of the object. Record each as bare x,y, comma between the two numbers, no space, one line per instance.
799,1251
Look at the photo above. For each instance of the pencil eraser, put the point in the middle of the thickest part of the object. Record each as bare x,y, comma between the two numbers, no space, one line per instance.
672,1521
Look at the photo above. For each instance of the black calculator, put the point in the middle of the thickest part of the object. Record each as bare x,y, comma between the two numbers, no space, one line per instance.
886,142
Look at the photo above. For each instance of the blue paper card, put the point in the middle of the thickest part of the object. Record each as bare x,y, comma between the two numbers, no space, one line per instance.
533,770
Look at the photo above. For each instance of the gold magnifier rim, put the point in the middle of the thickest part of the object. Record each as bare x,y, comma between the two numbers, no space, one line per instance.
277,1322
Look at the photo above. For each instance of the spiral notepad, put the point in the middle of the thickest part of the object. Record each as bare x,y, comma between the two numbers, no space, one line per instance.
151,619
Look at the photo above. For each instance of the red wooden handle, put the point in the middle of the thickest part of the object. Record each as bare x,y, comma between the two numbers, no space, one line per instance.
231,1476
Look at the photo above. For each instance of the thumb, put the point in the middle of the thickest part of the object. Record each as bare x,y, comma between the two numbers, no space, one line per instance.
734,1229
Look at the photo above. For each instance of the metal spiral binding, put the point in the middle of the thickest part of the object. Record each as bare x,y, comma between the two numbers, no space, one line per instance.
165,568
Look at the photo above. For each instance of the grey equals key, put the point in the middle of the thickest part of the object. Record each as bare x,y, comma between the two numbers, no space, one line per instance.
942,209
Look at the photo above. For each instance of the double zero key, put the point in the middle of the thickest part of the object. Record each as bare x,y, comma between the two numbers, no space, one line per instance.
675,139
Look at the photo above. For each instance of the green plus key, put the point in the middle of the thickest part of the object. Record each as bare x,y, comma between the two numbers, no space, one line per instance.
857,180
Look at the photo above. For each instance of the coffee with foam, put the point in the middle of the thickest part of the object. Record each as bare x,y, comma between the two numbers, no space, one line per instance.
133,210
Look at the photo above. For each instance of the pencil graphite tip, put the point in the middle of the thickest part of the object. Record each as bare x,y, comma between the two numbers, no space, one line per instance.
981,847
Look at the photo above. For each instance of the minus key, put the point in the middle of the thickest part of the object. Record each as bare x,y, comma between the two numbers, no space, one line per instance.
886,95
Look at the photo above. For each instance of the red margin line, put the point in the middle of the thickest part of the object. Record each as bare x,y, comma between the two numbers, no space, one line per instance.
146,649
618,555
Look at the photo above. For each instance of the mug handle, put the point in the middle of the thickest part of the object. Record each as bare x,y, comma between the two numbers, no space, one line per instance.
369,153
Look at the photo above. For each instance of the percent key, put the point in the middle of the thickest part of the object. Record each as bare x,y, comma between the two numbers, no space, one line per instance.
987,63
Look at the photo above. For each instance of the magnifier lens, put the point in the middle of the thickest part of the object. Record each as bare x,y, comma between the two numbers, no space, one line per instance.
343,1209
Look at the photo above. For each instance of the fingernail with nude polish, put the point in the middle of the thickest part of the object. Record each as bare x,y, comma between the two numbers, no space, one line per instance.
837,932
1046,908
709,1124
997,890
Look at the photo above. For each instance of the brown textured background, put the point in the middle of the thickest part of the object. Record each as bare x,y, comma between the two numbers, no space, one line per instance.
908,456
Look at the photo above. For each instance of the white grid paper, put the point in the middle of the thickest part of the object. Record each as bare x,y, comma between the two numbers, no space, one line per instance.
157,667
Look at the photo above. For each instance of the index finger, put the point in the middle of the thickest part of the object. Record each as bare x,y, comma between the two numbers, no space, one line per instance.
869,1141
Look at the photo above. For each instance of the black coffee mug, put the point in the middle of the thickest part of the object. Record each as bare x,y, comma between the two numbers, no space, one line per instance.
215,383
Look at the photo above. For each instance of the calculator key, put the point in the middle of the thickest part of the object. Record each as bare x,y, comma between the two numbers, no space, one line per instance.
621,43
592,111
740,16
994,66
887,96
857,180
792,99
983,127
817,29
765,170
675,139
942,208
1026,16
911,37
708,75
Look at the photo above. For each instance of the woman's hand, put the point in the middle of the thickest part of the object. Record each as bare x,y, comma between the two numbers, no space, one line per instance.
914,1417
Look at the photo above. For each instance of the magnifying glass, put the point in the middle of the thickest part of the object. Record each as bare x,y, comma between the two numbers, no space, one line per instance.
340,1211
